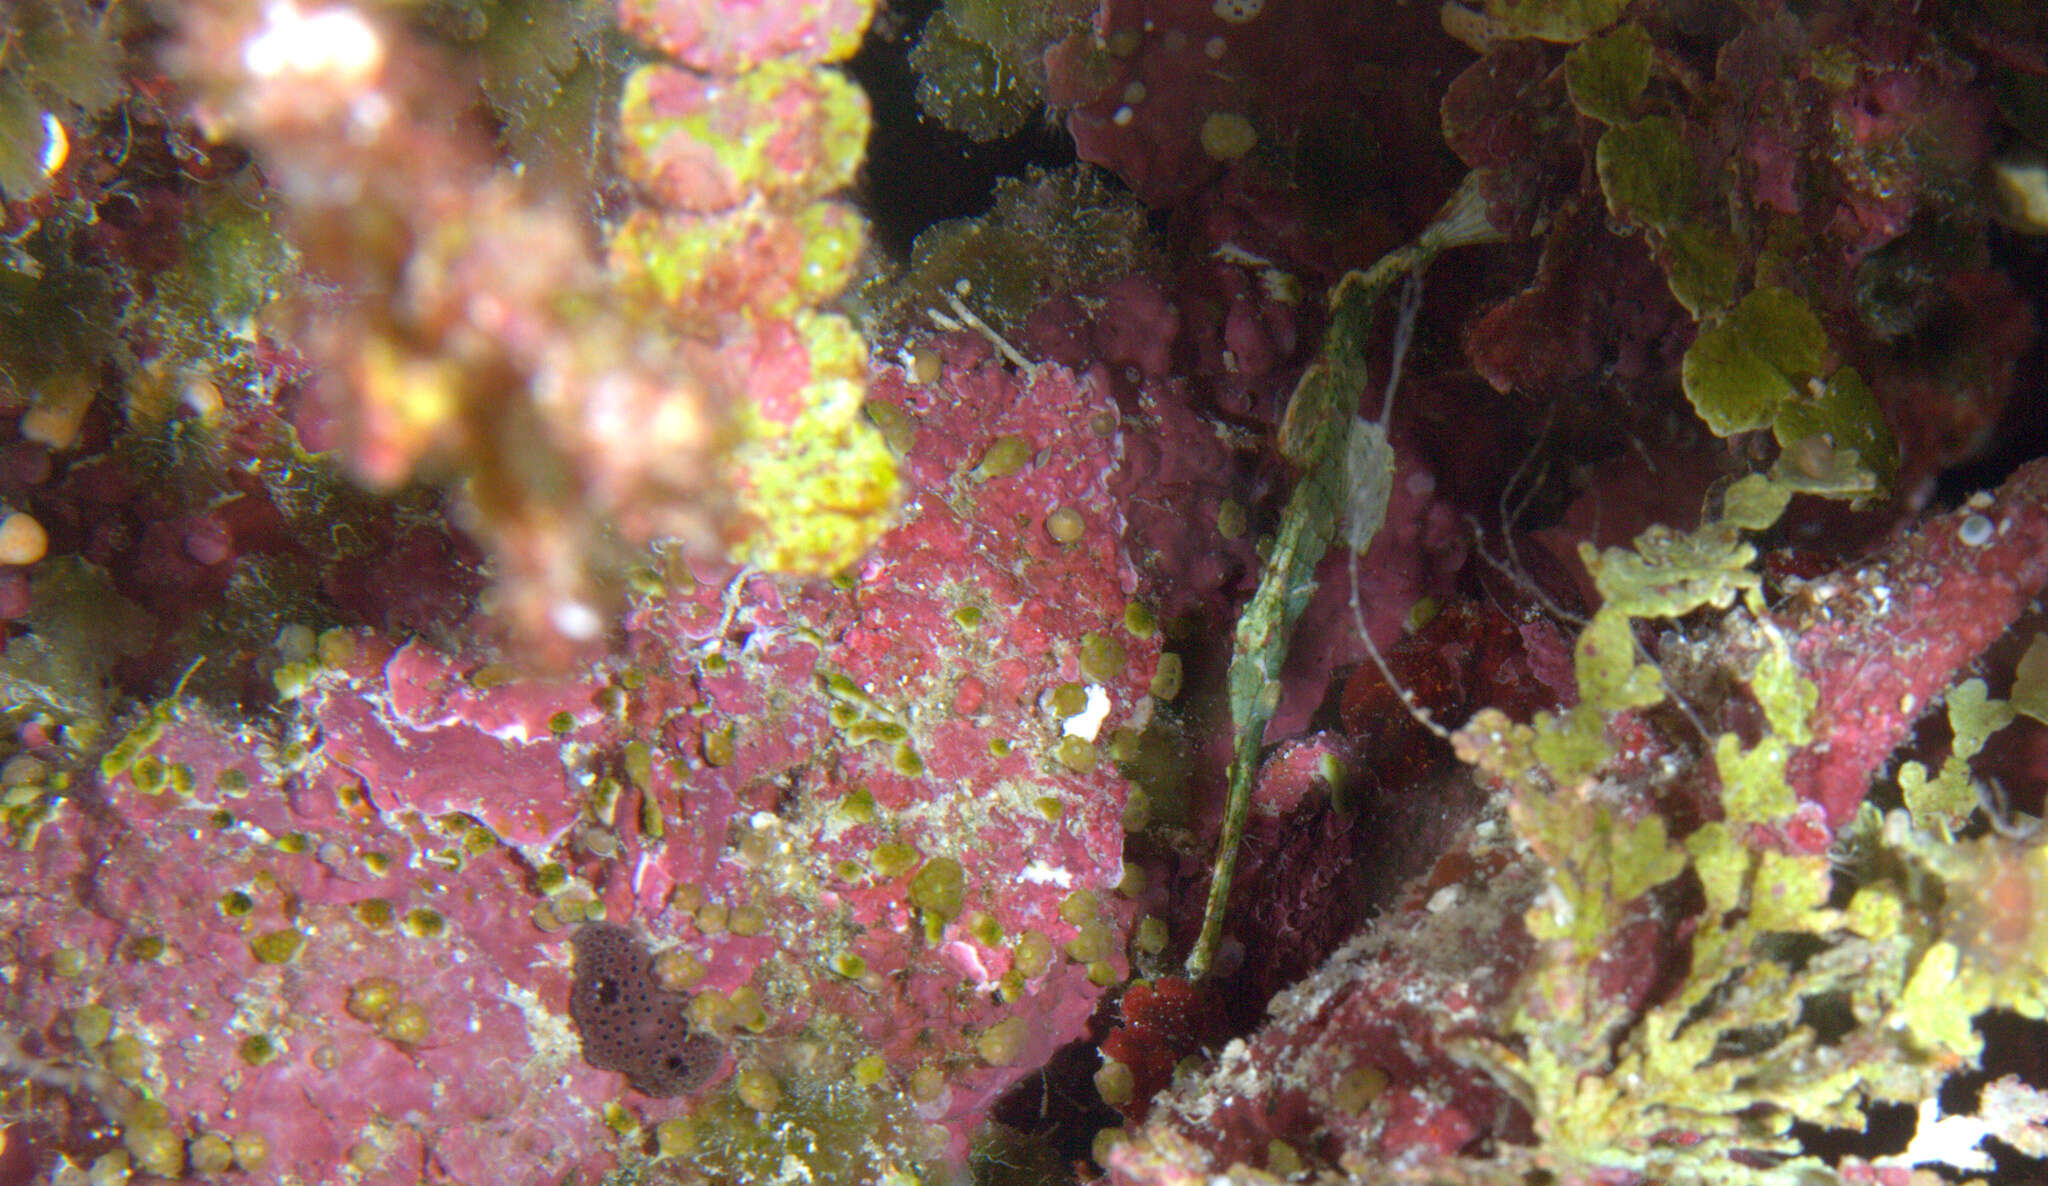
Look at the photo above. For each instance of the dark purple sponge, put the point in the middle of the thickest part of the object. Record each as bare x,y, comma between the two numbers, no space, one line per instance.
629,1023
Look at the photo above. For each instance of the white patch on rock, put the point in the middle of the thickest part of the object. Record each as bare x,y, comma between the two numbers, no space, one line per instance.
1088,722
1040,873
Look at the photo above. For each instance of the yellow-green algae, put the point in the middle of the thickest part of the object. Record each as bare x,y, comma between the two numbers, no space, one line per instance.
749,152
1945,801
818,486
815,483
676,258
817,1109
1761,358
1814,987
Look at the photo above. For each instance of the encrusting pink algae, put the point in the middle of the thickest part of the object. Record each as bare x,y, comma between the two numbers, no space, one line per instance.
1126,591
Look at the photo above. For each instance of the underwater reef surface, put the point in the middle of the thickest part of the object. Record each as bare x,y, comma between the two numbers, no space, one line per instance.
1385,592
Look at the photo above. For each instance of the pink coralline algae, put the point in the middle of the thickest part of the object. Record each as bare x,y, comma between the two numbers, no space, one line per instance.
921,765
1194,88
534,651
423,732
1897,128
725,36
1882,642
1361,1060
870,829
281,966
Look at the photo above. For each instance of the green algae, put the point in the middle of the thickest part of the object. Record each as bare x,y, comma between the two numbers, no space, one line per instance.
1032,954
1647,171
1701,266
91,1024
1102,658
1001,1044
892,859
257,1049
686,262
638,760
1948,799
375,913
965,84
985,929
1761,358
277,947
370,998
1048,232
978,62
813,480
426,923
1554,20
818,1121
1077,754
59,671
1006,455
1861,454
939,888
2030,681
1315,435
61,69
1606,75
1746,366
1065,525
1068,699
820,485
719,745
406,1024
1740,1052
859,807
235,261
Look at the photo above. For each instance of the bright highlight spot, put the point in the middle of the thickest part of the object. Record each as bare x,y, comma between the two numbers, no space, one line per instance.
336,42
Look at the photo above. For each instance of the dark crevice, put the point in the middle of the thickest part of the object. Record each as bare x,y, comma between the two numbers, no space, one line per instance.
2021,432
918,172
